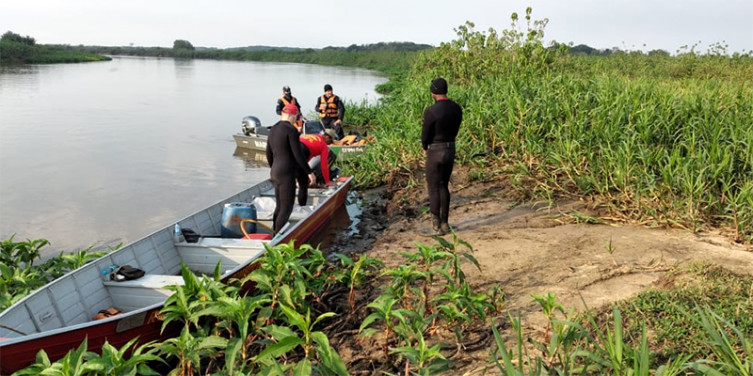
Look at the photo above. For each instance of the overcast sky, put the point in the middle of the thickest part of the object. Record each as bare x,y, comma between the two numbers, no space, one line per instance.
626,24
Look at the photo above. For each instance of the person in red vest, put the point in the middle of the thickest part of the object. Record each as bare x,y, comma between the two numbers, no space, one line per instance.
319,156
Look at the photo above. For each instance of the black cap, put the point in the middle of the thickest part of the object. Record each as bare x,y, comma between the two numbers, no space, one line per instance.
438,86
327,87
286,88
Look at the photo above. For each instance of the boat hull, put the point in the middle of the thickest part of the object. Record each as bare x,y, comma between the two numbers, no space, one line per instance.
146,326
259,143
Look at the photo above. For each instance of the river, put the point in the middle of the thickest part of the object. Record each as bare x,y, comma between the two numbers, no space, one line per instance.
101,153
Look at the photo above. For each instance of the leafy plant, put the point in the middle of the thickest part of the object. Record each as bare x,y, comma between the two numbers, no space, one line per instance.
428,360
238,312
123,361
193,300
385,311
190,349
454,263
21,253
283,276
353,273
311,341
19,276
72,364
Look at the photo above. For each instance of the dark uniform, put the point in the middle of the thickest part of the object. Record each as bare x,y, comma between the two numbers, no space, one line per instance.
330,110
287,164
441,125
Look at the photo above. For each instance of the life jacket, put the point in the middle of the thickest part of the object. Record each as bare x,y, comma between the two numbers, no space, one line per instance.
328,107
347,140
286,102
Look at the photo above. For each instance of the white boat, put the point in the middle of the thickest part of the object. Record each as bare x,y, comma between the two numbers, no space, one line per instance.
254,136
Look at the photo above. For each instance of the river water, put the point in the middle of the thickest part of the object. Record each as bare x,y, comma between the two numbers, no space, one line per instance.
101,153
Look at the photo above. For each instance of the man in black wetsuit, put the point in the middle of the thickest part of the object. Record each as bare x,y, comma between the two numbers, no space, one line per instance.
441,125
287,165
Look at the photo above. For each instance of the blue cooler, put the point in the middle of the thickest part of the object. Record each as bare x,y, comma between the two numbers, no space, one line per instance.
233,214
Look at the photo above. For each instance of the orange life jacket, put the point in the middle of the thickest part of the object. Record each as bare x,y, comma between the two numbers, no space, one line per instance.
285,101
347,140
328,107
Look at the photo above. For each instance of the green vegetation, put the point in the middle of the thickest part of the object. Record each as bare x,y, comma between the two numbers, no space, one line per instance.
657,139
665,312
393,58
15,49
424,314
19,276
662,332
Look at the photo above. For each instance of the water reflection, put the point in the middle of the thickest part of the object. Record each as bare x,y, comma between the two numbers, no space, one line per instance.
252,159
184,68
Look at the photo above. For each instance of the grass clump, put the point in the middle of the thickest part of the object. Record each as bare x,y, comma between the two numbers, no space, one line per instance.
669,312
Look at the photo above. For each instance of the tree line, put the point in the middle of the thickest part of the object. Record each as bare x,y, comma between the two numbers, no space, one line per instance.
384,56
17,49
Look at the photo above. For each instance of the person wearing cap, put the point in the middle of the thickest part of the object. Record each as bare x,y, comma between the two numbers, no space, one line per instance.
331,111
286,99
441,126
287,165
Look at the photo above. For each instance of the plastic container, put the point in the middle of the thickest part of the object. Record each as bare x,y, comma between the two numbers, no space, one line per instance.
233,214
178,234
107,272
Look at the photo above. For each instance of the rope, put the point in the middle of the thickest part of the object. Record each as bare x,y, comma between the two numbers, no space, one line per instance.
243,228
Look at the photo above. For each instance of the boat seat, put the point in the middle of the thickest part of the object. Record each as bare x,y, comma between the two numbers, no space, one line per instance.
141,292
149,281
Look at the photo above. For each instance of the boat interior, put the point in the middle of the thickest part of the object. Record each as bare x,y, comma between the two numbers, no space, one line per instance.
77,297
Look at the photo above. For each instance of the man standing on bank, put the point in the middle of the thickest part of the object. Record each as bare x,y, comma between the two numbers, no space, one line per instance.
287,165
331,111
441,125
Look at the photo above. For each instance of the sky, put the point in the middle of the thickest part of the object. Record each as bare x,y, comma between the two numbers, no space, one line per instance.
626,24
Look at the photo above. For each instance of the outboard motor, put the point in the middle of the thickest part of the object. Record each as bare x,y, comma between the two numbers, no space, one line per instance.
250,124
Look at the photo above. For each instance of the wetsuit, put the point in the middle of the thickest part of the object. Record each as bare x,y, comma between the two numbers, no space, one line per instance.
441,125
317,147
331,109
287,164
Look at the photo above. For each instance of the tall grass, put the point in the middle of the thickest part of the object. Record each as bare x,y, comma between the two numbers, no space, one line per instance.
661,139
